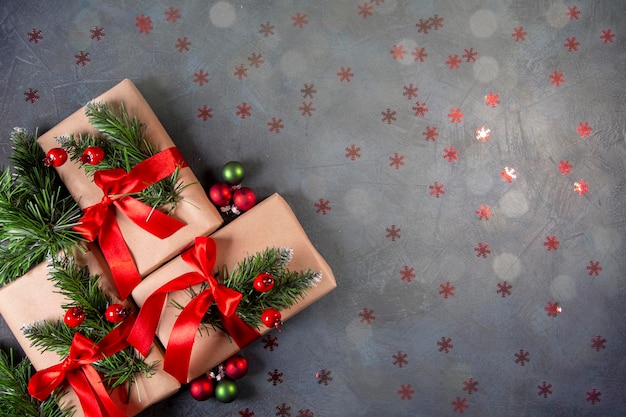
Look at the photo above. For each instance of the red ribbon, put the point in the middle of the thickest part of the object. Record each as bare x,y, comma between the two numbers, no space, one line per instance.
78,371
179,346
99,220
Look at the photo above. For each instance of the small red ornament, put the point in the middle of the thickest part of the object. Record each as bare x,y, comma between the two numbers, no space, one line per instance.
55,157
220,194
92,155
244,198
236,367
272,318
201,388
74,316
116,313
263,282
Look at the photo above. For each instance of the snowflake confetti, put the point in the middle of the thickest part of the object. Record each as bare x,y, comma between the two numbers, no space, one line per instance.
508,175
396,160
455,115
405,392
255,60
469,385
389,116
445,344
398,52
82,58
571,44
598,343
483,134
470,55
283,410
345,74
522,357
393,233
581,187
182,44
407,274
96,33
200,77
460,405
367,316
593,396
484,212
551,243
306,109
205,113
299,20
573,13
584,129
365,10
446,290
31,95
322,206
607,36
353,152
594,268
453,62
518,34
553,309
144,23
545,389
267,29
492,99
246,413
172,14
423,26
436,189
400,359
35,36
305,412
430,133
275,377
451,154
410,91
275,125
419,54
436,22
420,109
240,71
565,167
308,91
557,78
504,289
244,110
323,377
270,342
482,250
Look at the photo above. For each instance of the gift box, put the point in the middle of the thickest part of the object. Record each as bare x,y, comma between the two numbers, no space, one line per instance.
195,210
33,298
271,223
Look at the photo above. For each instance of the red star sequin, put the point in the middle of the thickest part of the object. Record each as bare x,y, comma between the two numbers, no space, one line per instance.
584,129
492,99
484,212
581,187
565,167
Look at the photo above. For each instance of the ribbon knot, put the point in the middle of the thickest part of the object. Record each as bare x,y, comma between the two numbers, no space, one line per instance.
99,220
179,346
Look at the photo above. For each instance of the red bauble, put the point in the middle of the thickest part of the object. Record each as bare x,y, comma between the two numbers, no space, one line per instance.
271,318
220,194
92,155
55,157
201,388
244,198
74,316
263,282
116,313
236,367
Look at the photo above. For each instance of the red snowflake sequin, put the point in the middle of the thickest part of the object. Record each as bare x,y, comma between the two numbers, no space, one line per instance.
255,60
446,290
522,357
31,95
397,160
270,342
398,52
275,377
594,268
389,116
419,54
607,36
410,91
571,44
299,20
275,125
451,154
244,110
508,175
82,58
96,33
306,109
308,91
322,206
420,109
345,74
240,71
551,243
267,29
469,385
598,343
365,10
482,250
565,167
553,309
593,396
393,233
400,359
200,77
519,34
144,23
445,344
557,78
407,274
367,316
584,129
455,115
246,413
423,26
545,389
35,36
453,61
353,152
460,405
430,133
172,14
436,22
436,189
323,377
492,99
470,55
484,212
205,113
581,187
573,13
182,44
504,289
405,392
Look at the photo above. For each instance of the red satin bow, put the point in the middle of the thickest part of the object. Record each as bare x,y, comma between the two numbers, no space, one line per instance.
180,343
99,220
78,371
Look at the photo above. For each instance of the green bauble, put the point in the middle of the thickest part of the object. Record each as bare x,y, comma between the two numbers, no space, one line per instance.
233,173
226,390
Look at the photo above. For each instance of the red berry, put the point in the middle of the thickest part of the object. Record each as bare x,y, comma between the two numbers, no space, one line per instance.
55,157
92,155
74,316
220,194
263,282
271,318
244,198
115,313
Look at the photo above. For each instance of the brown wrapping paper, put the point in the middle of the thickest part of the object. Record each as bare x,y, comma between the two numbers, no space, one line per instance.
196,211
33,298
271,223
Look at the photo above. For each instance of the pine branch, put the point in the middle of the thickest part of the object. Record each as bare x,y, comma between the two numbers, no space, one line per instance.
15,401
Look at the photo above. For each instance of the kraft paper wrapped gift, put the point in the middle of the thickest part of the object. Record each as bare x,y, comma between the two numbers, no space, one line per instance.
195,210
33,298
271,223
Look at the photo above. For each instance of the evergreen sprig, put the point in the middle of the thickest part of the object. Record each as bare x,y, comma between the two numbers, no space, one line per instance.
37,213
15,401
122,138
289,286
82,289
